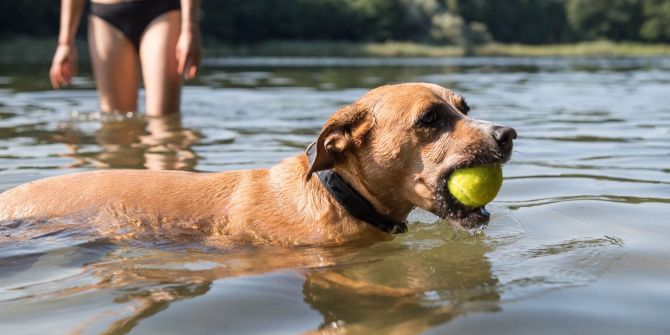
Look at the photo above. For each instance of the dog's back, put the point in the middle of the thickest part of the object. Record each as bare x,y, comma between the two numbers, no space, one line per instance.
266,205
155,191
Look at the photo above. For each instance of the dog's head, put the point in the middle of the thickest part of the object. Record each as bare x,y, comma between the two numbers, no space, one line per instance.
398,145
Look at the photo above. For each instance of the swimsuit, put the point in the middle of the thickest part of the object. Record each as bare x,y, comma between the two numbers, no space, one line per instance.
133,17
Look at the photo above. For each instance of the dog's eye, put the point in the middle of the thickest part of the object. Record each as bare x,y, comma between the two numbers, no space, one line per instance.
429,117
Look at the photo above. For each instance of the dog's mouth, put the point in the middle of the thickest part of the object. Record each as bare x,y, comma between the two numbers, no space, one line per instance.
448,208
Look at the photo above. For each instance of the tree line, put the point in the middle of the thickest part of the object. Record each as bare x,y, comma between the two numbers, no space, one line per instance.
424,21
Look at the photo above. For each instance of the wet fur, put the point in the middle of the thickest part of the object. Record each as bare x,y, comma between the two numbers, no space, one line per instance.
375,144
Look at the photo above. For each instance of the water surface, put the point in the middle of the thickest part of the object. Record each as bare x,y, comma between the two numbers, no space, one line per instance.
577,242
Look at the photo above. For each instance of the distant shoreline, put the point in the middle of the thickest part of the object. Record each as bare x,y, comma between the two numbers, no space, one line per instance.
40,50
410,49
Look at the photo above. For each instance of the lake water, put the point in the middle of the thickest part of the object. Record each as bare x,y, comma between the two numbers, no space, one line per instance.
578,242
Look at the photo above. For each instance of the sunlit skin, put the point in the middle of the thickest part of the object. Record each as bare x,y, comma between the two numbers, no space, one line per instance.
380,145
170,51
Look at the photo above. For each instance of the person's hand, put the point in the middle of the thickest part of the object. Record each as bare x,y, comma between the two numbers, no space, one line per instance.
189,53
63,66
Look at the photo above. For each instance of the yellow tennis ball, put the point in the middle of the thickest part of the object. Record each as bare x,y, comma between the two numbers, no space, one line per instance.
476,186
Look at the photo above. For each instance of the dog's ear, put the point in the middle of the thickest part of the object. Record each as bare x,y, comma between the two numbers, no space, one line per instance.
459,102
343,130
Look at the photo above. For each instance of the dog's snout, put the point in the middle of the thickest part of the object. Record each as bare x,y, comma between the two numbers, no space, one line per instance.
504,136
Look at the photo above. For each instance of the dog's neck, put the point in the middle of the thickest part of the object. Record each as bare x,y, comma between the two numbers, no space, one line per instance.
352,200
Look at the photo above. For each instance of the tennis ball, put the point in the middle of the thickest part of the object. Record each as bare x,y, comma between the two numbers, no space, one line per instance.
476,186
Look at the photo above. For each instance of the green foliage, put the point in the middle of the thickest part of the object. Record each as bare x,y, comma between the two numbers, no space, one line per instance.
519,21
611,19
29,18
349,20
447,27
244,21
443,22
452,29
656,26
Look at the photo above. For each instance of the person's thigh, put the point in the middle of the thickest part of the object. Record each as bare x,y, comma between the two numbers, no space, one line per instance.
115,66
162,83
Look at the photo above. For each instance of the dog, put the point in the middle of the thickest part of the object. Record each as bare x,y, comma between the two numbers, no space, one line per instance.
373,162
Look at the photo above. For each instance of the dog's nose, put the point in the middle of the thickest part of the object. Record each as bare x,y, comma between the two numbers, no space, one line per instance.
504,136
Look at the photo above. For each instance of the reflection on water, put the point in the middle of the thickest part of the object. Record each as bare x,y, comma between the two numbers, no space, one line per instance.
154,143
417,286
577,240
427,277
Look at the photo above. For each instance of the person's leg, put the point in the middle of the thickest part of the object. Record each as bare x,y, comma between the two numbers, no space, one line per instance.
115,66
162,83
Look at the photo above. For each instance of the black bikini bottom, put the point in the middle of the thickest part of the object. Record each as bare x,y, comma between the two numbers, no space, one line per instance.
133,17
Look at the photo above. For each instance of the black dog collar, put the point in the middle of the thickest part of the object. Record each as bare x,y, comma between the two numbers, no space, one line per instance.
354,202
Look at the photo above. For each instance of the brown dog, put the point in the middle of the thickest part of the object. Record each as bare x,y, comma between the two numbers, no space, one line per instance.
376,160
